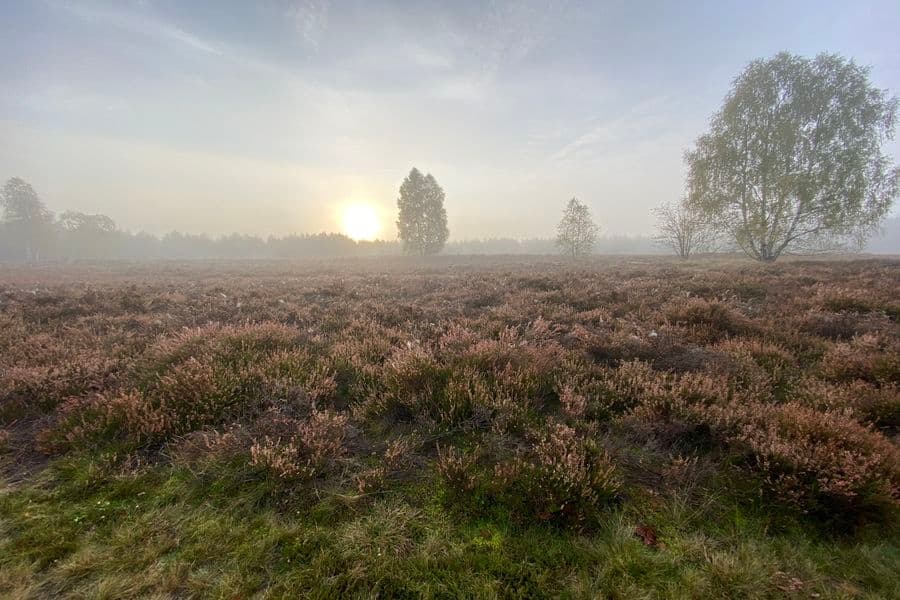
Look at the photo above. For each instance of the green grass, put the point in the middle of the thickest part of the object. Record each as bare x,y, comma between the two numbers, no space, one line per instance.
85,528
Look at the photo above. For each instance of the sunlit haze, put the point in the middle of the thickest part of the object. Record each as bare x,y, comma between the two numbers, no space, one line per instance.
360,222
264,117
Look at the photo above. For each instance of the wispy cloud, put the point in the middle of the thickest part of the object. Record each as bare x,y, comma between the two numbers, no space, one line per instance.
651,120
310,17
137,22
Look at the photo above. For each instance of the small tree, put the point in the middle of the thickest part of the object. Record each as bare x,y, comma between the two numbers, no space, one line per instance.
26,219
422,219
793,159
576,232
683,229
86,236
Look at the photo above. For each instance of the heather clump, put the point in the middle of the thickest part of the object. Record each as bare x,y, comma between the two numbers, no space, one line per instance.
399,456
708,320
299,450
843,299
565,476
867,403
869,357
821,462
415,387
86,422
558,474
30,390
200,378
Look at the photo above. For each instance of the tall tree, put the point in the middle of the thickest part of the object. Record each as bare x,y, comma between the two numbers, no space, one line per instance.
576,232
26,220
793,159
422,219
682,228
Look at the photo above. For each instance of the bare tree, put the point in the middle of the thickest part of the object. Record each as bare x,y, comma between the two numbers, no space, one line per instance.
576,232
683,229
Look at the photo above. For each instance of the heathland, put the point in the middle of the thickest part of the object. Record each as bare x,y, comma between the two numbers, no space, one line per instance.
451,427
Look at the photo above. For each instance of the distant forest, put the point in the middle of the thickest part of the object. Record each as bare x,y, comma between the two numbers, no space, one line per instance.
94,243
63,244
30,231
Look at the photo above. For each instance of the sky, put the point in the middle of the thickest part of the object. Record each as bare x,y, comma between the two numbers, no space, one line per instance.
274,116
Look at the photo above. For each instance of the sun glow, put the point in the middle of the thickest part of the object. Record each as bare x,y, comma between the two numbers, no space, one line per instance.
360,222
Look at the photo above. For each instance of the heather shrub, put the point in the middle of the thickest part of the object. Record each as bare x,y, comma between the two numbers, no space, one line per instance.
85,422
832,326
203,378
868,358
398,456
458,469
708,320
304,449
843,299
415,385
870,404
820,462
225,346
521,365
561,476
207,450
564,477
5,441
614,347
672,411
300,379
41,388
762,368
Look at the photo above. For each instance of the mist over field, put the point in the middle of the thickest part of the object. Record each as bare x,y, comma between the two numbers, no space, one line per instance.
532,299
272,118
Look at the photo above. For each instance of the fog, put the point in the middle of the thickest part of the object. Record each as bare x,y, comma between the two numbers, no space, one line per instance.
272,118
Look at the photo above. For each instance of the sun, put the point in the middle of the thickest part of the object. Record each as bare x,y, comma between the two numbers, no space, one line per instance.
360,222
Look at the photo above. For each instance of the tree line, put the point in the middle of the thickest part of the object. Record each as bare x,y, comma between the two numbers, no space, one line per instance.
792,163
32,233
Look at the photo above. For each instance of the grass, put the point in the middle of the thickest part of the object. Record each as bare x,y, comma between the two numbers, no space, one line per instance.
86,530
604,430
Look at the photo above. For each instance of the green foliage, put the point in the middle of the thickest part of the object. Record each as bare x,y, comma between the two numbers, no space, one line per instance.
793,159
27,223
422,219
576,232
